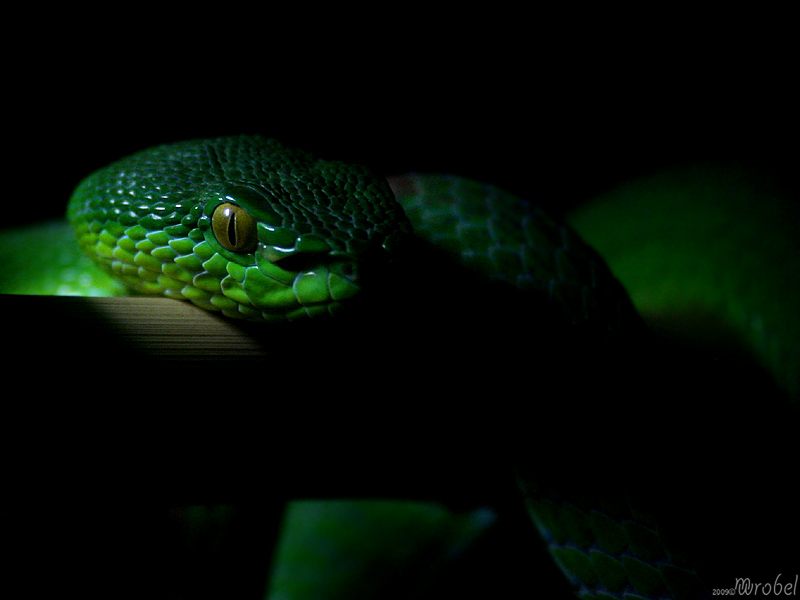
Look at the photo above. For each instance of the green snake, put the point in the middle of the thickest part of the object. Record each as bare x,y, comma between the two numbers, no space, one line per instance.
255,231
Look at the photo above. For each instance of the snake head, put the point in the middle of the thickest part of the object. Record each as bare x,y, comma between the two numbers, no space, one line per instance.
295,256
241,225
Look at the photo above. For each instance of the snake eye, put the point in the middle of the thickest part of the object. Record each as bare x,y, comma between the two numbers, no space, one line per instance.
234,228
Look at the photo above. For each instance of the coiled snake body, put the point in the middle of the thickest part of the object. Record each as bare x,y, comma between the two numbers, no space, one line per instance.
252,230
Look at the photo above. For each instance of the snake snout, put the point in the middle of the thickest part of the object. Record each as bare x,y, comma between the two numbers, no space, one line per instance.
326,282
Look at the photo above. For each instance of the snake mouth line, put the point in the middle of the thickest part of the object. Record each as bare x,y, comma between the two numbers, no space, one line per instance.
325,284
269,292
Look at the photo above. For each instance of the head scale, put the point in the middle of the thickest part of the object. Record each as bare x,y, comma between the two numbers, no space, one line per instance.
241,224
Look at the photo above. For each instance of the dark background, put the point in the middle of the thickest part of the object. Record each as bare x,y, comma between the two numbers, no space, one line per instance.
556,108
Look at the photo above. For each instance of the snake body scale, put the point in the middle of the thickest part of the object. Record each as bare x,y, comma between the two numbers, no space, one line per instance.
255,231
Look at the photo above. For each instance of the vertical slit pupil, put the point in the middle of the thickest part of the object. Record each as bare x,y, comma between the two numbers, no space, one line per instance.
232,228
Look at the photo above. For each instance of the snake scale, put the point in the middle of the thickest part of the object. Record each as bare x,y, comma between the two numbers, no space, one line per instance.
255,231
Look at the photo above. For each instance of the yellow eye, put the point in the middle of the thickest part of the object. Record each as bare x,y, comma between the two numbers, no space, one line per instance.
234,228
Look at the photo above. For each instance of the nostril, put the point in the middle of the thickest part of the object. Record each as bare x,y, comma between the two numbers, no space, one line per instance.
348,270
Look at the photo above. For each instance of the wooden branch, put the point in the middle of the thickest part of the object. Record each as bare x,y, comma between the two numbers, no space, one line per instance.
149,327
